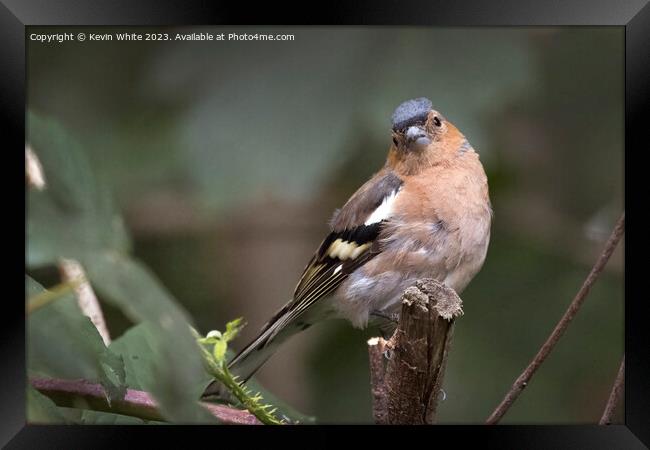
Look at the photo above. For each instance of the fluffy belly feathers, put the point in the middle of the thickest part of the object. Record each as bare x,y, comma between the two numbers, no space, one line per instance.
453,259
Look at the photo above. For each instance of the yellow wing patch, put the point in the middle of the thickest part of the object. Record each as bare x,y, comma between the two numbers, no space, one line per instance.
343,250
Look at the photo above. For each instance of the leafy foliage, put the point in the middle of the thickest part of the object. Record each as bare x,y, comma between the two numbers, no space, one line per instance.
41,409
73,217
89,417
146,370
64,343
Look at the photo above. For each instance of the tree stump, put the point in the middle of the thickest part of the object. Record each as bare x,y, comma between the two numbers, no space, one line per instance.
406,371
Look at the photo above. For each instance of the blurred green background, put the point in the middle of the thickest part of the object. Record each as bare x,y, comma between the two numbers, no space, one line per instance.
227,159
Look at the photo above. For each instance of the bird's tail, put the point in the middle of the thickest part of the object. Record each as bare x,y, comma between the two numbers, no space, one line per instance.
280,328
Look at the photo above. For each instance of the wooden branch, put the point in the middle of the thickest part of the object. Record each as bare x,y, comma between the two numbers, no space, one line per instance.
407,371
135,403
86,298
522,381
614,396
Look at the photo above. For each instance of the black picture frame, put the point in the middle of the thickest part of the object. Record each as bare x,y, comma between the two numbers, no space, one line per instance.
633,15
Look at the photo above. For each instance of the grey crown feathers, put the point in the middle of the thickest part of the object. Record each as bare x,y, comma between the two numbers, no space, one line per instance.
411,112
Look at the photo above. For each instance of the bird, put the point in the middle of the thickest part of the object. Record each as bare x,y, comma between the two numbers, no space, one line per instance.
425,214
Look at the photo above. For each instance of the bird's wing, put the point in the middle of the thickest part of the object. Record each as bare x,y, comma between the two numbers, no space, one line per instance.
351,243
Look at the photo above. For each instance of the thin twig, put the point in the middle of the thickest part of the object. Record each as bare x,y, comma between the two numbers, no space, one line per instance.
43,298
522,381
135,403
614,396
86,298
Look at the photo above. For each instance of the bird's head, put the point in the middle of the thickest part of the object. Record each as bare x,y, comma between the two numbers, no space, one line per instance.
421,134
415,125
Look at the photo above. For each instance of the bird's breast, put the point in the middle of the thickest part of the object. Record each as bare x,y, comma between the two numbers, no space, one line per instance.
441,225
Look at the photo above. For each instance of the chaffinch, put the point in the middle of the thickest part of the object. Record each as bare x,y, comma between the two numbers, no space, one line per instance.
426,213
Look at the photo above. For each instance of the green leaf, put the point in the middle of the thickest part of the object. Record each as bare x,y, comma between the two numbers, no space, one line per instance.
233,328
90,417
73,216
172,376
63,343
136,348
40,409
114,376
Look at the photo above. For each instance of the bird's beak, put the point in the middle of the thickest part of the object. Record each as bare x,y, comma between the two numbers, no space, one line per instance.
416,135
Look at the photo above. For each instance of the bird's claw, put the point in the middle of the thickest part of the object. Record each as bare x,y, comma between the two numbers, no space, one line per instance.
392,317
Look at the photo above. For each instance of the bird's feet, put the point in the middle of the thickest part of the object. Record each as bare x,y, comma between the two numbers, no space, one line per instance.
385,322
393,317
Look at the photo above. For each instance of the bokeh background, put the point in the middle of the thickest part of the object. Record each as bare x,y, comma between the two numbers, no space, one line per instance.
226,159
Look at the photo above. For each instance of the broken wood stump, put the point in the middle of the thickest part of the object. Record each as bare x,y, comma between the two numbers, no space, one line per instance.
406,371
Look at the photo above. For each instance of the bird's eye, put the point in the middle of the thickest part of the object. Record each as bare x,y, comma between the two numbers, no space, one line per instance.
436,121
395,141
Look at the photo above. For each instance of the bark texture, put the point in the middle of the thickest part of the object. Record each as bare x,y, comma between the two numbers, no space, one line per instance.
406,371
